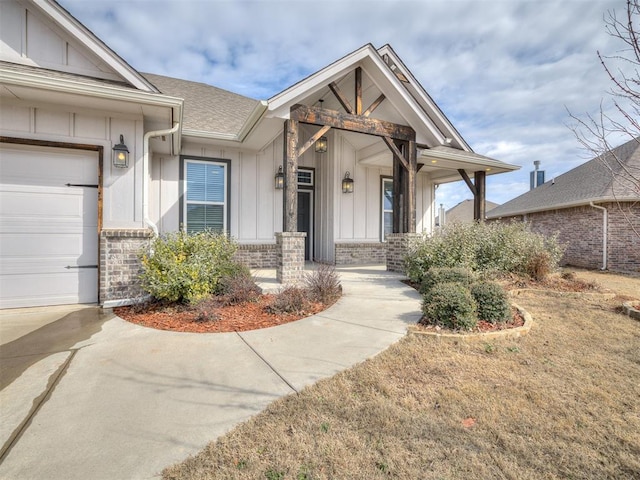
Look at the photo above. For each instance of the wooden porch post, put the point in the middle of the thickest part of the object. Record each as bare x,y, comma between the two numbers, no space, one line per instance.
479,199
411,186
290,161
398,204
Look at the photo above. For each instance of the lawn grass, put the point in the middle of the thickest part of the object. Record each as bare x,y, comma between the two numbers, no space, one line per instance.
562,402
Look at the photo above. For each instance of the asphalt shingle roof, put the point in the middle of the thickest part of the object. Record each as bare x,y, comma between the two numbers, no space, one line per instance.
207,108
602,178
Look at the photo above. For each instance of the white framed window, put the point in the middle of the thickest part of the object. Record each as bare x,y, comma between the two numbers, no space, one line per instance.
305,177
205,196
386,222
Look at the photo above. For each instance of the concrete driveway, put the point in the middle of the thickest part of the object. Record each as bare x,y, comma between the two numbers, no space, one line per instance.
86,395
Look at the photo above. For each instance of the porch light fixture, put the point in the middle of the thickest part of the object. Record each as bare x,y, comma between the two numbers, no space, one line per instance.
121,154
347,183
279,179
321,145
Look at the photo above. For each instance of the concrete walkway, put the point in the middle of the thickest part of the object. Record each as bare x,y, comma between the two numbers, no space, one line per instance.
127,401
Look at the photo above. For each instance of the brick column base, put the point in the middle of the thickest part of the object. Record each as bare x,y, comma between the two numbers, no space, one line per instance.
290,252
398,246
120,265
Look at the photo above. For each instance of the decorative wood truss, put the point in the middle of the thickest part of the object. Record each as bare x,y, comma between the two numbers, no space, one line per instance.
400,139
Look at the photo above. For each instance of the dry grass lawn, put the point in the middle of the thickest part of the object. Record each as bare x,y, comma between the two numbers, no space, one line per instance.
560,403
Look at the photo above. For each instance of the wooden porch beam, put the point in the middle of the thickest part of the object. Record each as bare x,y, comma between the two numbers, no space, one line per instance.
341,98
358,95
467,180
396,152
290,208
352,123
313,140
374,105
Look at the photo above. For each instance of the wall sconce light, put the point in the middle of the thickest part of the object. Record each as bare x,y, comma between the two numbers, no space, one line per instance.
279,179
321,145
121,154
347,183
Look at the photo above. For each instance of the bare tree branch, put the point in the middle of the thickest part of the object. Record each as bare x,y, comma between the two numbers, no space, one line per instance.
594,132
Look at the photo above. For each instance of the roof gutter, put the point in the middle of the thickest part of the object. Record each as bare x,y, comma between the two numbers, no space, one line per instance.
605,218
145,172
559,206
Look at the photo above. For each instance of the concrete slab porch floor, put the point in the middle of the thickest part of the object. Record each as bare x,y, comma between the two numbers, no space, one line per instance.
124,401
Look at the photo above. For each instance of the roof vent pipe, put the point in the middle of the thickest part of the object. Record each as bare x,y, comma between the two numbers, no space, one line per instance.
605,221
536,178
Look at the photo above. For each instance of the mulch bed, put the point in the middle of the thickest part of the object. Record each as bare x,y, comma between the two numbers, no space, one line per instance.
217,319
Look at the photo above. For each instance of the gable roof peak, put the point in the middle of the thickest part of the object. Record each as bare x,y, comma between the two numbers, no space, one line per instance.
80,33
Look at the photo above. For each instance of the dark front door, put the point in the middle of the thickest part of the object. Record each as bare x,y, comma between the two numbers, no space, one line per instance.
305,220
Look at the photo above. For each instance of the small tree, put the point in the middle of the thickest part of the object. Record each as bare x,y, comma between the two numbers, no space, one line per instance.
595,131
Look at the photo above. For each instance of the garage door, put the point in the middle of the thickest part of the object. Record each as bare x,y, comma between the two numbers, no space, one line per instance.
48,229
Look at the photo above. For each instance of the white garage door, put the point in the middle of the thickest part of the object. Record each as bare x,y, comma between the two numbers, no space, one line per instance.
48,230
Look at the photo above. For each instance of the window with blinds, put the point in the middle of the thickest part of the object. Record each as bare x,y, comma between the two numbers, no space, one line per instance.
205,196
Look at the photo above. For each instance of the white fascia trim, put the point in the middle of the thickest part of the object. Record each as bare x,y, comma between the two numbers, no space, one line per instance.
387,50
253,119
562,206
93,43
91,90
187,132
461,157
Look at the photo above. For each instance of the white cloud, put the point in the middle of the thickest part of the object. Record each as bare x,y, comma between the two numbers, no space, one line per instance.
504,72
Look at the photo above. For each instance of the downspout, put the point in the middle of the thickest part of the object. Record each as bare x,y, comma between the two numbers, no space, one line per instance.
146,172
605,218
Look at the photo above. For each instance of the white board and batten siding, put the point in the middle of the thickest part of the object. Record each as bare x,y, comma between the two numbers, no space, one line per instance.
48,229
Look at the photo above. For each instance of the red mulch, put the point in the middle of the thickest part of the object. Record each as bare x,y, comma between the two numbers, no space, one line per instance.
218,318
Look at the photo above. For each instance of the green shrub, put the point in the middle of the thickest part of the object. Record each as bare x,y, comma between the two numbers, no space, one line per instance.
323,284
492,302
238,286
186,268
437,275
450,305
290,300
487,248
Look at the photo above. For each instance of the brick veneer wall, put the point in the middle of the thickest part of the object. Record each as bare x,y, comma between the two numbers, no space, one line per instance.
360,253
258,255
398,246
120,265
580,230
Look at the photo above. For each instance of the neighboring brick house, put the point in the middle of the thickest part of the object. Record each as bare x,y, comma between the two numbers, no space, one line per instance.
594,209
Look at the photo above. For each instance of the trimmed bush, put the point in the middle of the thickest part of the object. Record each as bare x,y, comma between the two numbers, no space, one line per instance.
186,268
450,305
289,300
323,284
238,286
486,248
492,302
437,275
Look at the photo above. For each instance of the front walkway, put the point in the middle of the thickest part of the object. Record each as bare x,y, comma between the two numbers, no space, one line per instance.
129,400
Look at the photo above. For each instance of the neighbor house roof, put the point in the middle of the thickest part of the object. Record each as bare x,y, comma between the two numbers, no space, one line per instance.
208,109
608,177
463,212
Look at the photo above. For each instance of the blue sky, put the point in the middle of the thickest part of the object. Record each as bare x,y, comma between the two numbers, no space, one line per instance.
503,71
